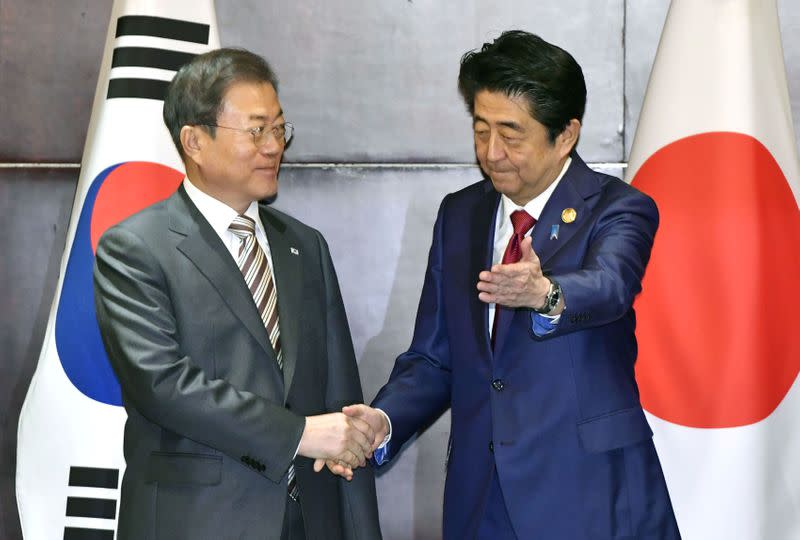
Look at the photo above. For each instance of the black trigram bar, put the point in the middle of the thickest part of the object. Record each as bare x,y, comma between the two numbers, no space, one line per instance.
94,477
149,57
77,533
142,25
91,507
137,88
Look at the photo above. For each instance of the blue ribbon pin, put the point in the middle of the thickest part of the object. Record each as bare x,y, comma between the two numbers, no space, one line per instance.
554,232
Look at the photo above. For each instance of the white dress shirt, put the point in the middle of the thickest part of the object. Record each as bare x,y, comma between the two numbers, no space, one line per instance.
219,215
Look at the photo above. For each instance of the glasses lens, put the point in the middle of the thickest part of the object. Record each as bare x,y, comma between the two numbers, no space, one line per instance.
288,131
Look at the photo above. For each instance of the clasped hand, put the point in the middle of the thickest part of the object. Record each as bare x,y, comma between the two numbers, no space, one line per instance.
343,441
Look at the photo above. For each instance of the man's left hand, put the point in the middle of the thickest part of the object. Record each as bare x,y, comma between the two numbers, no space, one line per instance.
519,284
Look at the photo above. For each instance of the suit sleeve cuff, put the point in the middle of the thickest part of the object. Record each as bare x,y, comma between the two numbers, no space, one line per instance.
544,324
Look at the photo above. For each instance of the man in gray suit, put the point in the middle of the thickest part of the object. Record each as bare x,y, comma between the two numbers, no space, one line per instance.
224,323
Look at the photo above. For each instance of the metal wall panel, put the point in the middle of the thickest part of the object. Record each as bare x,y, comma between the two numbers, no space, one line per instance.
34,213
378,223
376,81
50,55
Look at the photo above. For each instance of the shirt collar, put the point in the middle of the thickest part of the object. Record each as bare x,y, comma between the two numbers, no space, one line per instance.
218,214
535,206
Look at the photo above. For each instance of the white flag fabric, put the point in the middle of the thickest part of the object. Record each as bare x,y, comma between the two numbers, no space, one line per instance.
69,449
717,320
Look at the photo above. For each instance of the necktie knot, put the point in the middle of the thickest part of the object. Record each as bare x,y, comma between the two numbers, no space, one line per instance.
522,221
242,227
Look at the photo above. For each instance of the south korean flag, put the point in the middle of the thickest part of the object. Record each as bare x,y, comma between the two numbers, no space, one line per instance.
69,453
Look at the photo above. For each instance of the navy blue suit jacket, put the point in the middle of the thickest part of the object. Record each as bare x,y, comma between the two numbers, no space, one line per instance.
563,423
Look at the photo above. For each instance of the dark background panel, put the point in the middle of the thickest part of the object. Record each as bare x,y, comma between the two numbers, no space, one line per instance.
34,214
50,55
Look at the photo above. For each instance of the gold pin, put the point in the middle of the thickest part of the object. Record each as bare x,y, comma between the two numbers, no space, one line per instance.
568,215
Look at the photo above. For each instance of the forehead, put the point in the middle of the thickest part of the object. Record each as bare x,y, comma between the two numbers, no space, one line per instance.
246,100
496,107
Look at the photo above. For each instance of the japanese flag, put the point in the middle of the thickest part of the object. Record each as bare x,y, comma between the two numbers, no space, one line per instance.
717,319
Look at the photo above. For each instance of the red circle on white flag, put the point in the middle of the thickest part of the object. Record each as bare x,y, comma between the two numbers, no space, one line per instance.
719,341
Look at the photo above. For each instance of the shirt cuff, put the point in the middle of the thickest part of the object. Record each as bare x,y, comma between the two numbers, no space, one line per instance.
379,456
544,324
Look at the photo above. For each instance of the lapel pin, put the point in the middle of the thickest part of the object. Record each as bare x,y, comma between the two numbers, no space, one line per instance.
568,215
294,251
554,232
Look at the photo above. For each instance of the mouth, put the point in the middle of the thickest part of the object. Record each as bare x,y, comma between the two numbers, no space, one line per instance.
270,171
500,174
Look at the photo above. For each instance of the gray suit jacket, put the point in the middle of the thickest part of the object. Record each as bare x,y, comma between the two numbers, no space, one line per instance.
213,423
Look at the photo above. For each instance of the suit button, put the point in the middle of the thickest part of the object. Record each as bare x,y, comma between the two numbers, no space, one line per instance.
498,385
491,447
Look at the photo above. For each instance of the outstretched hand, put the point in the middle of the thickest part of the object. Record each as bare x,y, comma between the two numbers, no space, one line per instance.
520,284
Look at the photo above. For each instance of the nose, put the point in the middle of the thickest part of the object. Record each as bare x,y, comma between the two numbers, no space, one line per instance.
270,145
495,150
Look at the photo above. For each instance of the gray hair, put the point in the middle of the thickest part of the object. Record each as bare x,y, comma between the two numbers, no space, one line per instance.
194,96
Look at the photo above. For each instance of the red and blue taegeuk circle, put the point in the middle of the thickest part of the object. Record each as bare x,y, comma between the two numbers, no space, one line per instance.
116,193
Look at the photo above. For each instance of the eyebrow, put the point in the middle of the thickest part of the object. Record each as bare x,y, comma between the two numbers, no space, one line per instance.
506,123
264,118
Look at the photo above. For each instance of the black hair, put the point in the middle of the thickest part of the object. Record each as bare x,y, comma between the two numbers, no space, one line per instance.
520,64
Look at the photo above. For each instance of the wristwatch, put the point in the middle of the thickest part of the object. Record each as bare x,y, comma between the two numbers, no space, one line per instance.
551,300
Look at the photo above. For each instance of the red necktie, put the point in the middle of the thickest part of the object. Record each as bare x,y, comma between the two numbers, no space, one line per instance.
522,221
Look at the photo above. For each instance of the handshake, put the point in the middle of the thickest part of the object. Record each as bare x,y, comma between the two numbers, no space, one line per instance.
343,441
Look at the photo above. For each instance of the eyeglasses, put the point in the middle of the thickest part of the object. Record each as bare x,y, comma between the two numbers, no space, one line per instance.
282,133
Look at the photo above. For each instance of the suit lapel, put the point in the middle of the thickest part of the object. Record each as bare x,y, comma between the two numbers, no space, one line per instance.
571,192
288,271
482,227
204,248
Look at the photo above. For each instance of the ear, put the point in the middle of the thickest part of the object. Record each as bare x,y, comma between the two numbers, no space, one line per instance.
568,138
192,141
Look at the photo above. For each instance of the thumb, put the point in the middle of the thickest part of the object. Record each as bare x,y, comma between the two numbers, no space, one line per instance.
318,464
354,410
526,250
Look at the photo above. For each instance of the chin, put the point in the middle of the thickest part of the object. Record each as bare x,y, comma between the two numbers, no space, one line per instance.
268,194
506,187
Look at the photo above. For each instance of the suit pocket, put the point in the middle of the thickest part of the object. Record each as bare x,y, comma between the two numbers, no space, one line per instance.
179,468
614,430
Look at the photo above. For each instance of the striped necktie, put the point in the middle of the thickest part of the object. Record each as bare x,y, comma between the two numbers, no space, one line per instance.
254,265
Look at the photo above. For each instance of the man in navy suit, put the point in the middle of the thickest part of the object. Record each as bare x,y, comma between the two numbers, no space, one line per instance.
525,327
